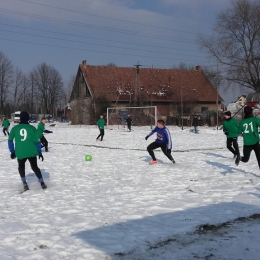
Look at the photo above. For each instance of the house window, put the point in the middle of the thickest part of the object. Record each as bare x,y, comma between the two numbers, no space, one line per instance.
204,109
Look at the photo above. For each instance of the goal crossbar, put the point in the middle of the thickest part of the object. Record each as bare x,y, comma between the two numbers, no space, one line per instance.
146,115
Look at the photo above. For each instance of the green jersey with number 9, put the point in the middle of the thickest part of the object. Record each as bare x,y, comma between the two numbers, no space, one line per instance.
25,137
249,128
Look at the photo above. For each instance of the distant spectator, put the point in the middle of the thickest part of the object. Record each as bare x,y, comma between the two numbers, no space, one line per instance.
129,122
195,123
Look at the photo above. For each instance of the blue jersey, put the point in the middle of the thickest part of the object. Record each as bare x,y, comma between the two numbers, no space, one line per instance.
163,136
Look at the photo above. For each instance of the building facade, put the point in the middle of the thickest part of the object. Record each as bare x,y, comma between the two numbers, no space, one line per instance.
175,92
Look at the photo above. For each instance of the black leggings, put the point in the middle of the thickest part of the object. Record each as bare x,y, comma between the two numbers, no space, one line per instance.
102,133
5,130
247,151
230,142
34,166
44,143
155,145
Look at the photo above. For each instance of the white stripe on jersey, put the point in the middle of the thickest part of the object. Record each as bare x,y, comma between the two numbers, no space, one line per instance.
169,138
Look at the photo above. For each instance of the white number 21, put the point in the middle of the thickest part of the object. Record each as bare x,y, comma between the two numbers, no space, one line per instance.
246,127
23,133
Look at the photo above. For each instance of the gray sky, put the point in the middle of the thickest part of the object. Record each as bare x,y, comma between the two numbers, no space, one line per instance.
62,33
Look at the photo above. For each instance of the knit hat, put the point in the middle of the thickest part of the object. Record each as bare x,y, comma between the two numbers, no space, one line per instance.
24,117
227,113
248,110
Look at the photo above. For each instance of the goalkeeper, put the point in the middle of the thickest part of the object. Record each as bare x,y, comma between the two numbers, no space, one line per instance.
163,140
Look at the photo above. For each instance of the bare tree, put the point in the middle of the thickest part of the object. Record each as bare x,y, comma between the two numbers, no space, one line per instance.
18,88
235,43
69,88
48,85
24,94
184,66
6,74
111,64
213,76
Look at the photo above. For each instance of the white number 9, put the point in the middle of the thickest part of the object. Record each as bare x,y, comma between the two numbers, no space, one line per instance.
23,133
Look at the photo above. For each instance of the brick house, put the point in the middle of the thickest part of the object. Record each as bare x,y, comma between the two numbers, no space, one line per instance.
171,90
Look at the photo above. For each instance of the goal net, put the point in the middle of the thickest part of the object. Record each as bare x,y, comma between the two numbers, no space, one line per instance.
141,116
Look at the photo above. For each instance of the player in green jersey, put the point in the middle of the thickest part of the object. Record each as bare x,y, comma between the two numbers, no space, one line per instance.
41,129
5,125
230,129
27,147
101,125
248,127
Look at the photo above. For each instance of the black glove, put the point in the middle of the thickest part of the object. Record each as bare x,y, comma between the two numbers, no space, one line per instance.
226,133
169,151
146,137
41,157
12,156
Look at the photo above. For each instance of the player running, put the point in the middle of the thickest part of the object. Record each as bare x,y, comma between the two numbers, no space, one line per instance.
163,140
230,129
101,125
248,127
5,125
27,147
41,130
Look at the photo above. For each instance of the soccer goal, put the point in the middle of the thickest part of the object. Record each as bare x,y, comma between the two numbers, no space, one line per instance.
141,116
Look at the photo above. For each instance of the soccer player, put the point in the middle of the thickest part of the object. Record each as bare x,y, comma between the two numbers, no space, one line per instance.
163,140
248,127
101,125
5,125
230,129
41,130
27,147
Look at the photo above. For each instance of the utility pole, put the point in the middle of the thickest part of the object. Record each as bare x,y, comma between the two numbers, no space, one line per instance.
137,83
32,93
217,92
181,105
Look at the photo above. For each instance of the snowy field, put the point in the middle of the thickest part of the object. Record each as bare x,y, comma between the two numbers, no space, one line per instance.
119,207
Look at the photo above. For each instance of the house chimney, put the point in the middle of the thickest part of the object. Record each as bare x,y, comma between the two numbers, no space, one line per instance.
84,63
198,68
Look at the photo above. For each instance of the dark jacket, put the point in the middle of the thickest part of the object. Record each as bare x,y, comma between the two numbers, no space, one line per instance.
195,121
129,120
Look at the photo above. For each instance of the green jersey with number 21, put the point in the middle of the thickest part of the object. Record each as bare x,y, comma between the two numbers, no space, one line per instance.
25,137
249,128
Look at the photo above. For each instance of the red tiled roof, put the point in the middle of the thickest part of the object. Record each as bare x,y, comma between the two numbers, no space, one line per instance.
118,83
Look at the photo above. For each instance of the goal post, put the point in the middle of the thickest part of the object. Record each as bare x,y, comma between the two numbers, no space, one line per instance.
141,116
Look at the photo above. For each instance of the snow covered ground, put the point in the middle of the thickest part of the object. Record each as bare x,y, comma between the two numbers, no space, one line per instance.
119,207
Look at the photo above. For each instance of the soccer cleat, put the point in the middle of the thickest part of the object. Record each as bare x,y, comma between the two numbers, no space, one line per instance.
153,162
173,161
237,159
43,185
25,186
